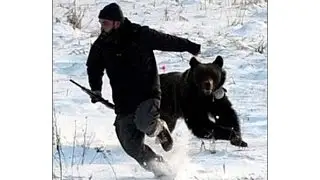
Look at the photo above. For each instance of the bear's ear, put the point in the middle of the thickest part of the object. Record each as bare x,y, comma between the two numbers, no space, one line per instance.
193,62
218,61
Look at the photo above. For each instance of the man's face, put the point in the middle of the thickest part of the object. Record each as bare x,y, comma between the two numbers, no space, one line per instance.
106,25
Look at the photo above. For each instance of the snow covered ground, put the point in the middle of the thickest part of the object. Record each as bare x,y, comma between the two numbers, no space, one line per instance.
234,29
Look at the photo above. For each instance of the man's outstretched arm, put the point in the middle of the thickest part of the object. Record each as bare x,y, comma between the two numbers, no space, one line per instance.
166,42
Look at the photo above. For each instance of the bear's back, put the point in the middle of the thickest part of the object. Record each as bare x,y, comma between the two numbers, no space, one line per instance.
170,92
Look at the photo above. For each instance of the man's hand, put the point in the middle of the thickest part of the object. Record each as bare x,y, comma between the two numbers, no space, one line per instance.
93,99
196,50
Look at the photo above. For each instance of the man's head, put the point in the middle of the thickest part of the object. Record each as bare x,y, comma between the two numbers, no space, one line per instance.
110,17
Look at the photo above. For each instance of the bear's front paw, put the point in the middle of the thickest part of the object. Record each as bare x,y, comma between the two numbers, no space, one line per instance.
237,141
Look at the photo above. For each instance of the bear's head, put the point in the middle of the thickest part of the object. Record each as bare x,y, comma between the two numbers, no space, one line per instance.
207,77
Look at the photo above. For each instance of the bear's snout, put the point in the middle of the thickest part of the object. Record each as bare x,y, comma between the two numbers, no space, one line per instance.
208,85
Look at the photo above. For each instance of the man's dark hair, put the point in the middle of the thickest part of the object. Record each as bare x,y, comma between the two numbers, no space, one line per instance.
112,12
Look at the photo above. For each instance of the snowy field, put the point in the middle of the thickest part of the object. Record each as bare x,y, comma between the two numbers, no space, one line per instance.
234,29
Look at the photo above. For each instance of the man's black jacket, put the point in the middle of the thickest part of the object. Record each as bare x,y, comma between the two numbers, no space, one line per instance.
130,63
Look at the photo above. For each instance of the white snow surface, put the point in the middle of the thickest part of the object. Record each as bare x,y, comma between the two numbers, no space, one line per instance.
236,30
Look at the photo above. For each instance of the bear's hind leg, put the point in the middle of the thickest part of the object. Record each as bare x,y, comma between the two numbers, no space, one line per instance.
200,129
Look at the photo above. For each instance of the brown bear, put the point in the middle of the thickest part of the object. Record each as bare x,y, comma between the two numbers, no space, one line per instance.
197,95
